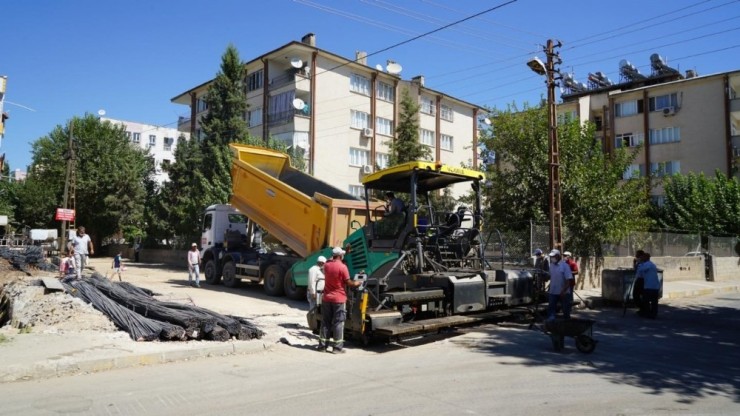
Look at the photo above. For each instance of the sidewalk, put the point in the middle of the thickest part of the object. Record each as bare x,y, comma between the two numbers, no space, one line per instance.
45,355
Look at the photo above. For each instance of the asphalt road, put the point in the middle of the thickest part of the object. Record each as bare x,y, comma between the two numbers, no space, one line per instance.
685,362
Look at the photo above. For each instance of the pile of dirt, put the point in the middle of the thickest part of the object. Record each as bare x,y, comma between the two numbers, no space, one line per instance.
26,304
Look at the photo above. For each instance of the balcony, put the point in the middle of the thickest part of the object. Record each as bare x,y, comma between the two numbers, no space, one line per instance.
288,77
284,117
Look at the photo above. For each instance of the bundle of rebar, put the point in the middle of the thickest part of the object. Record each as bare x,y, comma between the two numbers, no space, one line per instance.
139,327
28,259
196,322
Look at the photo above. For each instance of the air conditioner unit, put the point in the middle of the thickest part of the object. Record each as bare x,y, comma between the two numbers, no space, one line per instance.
367,169
367,132
669,111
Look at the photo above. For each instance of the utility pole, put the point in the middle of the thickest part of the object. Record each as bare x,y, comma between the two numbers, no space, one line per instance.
69,185
556,213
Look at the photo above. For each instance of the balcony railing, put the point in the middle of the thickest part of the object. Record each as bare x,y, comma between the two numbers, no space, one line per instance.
284,117
288,78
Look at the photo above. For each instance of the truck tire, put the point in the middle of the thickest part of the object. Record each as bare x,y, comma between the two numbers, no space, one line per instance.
291,290
273,280
229,275
211,272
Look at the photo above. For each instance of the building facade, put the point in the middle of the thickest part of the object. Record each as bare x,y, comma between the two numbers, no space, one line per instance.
159,141
683,124
342,112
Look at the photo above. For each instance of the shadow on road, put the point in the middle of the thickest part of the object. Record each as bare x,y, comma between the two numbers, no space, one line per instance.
691,351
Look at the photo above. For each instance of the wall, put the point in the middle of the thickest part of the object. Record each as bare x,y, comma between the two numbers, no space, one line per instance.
725,268
674,268
146,255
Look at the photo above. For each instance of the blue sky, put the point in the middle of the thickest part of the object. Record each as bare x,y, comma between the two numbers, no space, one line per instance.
68,58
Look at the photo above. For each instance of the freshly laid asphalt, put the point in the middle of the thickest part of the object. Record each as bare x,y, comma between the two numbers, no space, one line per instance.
49,354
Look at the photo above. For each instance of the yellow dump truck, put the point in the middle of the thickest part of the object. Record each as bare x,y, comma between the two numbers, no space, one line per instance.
278,215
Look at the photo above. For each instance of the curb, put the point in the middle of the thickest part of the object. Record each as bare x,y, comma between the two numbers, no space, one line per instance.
51,369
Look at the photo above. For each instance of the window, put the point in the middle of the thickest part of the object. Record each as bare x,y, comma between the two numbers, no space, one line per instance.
359,84
385,91
567,117
128,135
660,102
152,140
445,142
628,108
359,120
633,171
658,200
254,117
628,140
200,106
665,135
358,157
168,143
446,113
598,123
357,191
382,160
166,163
426,105
137,138
255,80
384,126
736,151
427,137
665,168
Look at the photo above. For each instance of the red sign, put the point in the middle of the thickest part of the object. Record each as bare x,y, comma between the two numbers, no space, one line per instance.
65,214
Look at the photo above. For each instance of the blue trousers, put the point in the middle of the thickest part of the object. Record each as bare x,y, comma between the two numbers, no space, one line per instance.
566,302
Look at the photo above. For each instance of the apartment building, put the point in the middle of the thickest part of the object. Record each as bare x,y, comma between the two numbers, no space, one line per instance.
342,112
159,141
685,123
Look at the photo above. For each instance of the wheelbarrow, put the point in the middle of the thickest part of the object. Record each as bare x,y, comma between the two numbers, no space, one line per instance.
580,329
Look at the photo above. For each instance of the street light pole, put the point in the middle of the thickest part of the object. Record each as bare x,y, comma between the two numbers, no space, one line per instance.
552,75
556,217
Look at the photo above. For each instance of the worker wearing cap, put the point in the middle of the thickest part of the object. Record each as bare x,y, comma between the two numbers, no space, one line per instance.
333,302
541,264
560,288
315,281
194,265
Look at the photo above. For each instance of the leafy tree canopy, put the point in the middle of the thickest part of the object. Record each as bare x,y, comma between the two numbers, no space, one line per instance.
598,206
110,178
697,203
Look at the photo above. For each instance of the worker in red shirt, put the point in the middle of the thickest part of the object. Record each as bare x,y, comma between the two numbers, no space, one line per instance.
334,302
573,267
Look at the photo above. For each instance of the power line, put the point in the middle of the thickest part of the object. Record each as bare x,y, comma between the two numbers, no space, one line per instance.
425,34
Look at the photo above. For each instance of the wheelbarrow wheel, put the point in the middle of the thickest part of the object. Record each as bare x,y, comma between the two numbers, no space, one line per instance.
585,344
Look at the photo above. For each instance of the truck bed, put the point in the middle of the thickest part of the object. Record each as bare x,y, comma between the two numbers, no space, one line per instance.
297,209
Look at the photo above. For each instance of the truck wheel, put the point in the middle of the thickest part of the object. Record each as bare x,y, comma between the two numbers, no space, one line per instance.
229,274
274,279
211,272
291,290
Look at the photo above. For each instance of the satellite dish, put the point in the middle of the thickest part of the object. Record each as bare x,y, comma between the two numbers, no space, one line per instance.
379,67
393,68
101,112
296,62
487,121
298,104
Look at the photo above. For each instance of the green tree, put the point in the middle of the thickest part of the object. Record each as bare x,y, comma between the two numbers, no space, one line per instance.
406,147
110,178
696,203
598,206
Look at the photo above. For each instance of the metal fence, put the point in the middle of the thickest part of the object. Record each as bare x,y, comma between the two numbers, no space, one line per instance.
723,246
516,246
